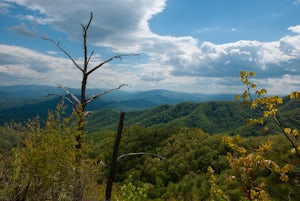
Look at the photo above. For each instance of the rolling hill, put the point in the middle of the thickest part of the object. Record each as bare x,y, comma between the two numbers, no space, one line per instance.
158,108
211,116
21,102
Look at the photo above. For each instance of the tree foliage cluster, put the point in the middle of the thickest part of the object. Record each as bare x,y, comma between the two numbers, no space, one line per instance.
40,164
212,117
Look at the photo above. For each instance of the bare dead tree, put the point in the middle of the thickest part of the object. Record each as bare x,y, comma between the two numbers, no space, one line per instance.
114,161
79,105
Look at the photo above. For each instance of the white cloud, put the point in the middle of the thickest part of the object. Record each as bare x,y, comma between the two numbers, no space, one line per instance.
174,62
25,64
116,24
266,58
295,29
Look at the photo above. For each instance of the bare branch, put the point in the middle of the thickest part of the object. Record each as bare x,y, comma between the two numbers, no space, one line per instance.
140,153
120,56
57,44
88,61
70,94
65,98
86,27
105,92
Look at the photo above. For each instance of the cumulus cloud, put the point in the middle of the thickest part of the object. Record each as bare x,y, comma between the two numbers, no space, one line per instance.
125,29
269,58
295,29
26,64
122,26
189,58
116,23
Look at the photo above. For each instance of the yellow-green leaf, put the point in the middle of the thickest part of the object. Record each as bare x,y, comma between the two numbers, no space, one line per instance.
288,131
295,133
294,94
293,151
251,73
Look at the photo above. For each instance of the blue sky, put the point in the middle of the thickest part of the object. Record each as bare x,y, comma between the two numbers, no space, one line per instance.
191,46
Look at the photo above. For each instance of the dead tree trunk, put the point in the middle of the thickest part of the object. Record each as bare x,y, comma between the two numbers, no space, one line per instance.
79,105
114,160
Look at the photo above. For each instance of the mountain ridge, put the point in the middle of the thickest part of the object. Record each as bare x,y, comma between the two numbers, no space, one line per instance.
20,102
211,116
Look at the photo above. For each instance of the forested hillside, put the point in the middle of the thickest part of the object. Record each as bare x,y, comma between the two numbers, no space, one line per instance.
188,136
212,117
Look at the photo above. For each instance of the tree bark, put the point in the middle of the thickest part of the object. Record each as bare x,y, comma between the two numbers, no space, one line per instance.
114,161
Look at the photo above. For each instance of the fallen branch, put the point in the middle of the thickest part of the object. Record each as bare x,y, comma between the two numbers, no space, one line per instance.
140,153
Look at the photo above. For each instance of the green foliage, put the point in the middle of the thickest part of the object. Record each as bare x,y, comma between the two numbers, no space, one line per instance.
43,167
215,193
212,117
269,106
250,166
247,165
188,152
131,192
11,136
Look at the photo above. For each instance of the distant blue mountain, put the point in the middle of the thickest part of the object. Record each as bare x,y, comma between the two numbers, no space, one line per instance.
21,102
160,96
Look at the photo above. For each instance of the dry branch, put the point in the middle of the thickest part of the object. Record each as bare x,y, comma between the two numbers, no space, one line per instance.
139,154
120,56
70,94
57,44
105,92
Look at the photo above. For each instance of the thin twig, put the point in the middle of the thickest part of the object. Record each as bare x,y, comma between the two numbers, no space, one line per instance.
110,59
88,61
86,27
105,92
138,154
57,44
